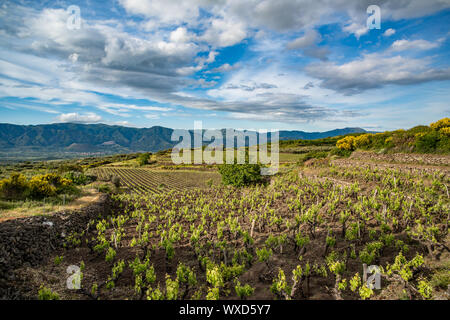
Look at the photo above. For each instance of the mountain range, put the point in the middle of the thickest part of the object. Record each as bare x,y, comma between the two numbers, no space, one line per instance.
75,138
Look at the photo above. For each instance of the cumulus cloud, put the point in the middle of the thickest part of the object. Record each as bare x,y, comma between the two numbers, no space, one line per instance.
308,44
41,59
79,118
375,71
224,32
357,29
403,45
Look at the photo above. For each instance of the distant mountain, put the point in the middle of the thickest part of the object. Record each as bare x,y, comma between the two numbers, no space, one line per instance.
294,135
106,139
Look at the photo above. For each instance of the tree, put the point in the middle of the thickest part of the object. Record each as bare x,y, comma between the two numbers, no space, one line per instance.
115,181
143,158
240,175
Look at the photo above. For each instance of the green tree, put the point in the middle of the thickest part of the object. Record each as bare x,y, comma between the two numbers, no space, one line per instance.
240,175
143,159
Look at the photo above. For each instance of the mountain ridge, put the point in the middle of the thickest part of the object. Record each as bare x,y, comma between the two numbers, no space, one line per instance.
77,137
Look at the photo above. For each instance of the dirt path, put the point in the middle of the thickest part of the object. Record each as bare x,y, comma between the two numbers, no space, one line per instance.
92,196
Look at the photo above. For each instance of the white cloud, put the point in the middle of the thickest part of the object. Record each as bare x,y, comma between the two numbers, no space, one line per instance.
79,118
180,35
402,45
308,39
375,71
308,43
224,32
151,116
357,29
226,67
166,11
389,32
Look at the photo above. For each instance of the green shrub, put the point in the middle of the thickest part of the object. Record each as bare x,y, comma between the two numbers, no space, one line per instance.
17,187
143,159
240,175
14,188
47,294
427,142
314,155
79,178
41,188
115,181
340,152
104,188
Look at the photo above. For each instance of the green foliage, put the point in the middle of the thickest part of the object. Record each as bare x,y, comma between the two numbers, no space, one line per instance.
279,284
427,142
143,159
172,287
14,188
365,292
58,260
214,277
264,254
425,289
115,180
186,275
243,292
346,143
423,139
240,175
340,152
314,155
213,294
17,187
370,252
79,178
47,294
403,267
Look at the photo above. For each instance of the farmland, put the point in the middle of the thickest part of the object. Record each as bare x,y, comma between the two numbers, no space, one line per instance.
175,232
143,181
306,234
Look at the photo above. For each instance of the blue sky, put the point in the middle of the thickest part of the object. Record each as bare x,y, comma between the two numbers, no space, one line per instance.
255,64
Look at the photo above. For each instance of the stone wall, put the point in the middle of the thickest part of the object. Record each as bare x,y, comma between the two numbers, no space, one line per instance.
30,241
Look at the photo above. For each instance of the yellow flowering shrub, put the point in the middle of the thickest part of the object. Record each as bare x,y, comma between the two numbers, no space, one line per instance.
445,131
443,123
14,186
362,140
41,188
346,143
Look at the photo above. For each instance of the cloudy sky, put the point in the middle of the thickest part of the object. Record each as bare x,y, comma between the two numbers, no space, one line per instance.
310,65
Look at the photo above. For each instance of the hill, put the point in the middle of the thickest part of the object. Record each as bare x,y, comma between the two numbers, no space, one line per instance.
63,140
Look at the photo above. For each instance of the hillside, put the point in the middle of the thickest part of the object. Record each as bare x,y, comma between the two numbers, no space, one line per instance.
66,139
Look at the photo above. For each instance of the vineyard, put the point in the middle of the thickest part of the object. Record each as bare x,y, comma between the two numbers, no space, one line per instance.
308,234
145,181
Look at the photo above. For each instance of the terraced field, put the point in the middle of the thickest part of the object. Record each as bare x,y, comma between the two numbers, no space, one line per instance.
142,181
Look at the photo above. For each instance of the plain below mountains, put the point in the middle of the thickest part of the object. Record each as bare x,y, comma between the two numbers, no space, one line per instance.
74,138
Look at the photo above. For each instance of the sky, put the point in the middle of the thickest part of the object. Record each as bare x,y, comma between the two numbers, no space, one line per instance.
311,65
